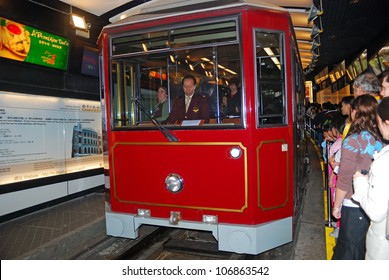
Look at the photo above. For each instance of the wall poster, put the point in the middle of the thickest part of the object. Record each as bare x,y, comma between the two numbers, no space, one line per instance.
28,44
44,136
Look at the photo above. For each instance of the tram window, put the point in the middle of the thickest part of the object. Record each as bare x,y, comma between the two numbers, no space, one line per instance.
270,78
204,34
176,38
120,84
140,43
136,72
212,67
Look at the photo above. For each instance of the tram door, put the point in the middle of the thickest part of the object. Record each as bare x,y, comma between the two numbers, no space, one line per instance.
273,136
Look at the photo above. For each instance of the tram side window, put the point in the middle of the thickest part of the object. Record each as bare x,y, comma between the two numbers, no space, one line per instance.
134,90
123,92
270,78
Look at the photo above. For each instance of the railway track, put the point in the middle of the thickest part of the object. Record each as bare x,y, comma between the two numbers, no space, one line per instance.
157,243
185,245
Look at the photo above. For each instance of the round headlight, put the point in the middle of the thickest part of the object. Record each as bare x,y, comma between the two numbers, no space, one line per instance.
174,183
235,152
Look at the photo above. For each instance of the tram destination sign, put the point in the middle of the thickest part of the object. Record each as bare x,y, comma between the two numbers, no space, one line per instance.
28,44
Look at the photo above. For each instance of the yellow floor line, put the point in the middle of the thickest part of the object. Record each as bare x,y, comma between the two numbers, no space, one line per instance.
330,241
325,201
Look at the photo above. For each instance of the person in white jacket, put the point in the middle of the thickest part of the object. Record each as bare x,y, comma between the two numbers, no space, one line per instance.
372,192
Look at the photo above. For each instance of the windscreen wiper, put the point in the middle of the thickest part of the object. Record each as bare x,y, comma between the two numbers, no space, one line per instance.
154,121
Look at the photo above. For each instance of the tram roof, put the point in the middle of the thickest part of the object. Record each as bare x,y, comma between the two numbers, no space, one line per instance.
348,27
158,9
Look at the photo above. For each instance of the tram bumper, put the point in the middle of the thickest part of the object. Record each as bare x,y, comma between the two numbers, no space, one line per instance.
241,239
254,239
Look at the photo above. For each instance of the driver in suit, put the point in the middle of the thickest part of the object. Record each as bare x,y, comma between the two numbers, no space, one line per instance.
190,106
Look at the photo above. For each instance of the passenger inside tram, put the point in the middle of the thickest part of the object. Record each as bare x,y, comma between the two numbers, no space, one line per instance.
223,106
234,98
191,106
161,112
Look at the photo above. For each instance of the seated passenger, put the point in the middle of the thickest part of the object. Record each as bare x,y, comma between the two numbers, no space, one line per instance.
161,112
223,106
234,98
191,106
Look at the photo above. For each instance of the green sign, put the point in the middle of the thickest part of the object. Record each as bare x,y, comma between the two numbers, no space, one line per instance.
24,43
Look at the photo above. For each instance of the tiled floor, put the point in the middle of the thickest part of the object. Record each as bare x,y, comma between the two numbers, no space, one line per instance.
29,232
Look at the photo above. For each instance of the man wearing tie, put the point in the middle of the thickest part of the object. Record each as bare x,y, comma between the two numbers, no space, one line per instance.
191,106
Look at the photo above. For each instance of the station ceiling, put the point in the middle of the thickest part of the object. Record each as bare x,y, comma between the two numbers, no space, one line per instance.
346,27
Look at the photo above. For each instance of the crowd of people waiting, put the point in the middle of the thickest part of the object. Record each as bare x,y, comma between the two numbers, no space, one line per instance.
354,136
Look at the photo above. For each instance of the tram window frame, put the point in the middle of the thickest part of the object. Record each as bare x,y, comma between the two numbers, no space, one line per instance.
262,53
126,116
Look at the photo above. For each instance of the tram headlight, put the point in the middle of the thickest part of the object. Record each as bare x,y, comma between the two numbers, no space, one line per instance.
174,183
235,152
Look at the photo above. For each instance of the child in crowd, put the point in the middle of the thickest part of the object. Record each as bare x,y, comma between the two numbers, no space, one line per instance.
337,126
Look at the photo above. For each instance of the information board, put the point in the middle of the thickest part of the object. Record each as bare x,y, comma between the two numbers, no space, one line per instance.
46,136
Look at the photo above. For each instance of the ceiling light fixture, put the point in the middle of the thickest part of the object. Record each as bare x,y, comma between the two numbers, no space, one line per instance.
79,22
314,13
76,21
315,31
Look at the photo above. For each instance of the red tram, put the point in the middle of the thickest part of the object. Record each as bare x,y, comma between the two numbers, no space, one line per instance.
236,175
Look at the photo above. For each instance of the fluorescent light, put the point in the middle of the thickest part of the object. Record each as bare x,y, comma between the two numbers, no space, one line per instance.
272,57
230,71
269,51
123,16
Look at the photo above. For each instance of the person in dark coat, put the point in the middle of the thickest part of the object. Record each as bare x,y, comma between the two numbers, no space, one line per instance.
190,106
234,98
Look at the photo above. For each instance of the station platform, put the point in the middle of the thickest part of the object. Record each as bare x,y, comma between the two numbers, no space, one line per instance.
312,242
58,232
64,230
